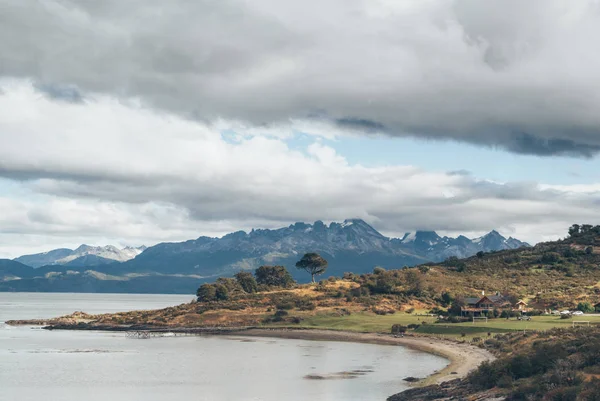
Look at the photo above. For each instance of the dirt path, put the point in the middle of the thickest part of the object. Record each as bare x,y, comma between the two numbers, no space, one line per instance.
463,357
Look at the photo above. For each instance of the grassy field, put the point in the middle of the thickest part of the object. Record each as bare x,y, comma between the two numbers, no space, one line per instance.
368,322
364,322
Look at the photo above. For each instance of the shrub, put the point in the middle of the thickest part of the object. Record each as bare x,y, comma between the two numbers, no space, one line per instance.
378,270
410,310
399,329
485,377
281,313
206,293
285,305
384,284
305,305
585,307
274,276
446,299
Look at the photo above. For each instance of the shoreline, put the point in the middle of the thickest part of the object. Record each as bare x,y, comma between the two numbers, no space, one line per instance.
463,358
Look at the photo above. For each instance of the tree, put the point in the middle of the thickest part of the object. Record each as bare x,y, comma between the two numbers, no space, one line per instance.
480,254
206,293
230,284
221,292
274,276
585,307
384,284
247,282
456,308
446,298
574,230
313,263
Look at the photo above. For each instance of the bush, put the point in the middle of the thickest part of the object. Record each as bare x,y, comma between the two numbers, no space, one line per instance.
410,310
446,299
585,307
399,329
550,258
285,305
281,313
277,276
378,270
485,377
206,293
305,305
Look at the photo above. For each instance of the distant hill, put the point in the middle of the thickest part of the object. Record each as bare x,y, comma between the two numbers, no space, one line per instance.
351,246
84,255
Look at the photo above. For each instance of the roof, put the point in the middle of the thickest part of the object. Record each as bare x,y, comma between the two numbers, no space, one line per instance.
522,302
492,298
496,298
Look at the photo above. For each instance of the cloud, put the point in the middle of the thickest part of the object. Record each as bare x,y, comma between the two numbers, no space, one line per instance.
521,77
106,170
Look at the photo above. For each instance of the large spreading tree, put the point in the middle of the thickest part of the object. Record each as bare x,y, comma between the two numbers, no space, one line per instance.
313,263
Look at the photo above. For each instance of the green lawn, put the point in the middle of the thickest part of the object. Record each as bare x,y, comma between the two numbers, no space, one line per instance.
368,322
364,322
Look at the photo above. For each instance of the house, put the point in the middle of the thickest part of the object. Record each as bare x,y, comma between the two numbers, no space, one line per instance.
487,303
521,305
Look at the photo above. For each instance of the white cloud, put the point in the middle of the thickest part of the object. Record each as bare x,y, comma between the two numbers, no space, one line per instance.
109,171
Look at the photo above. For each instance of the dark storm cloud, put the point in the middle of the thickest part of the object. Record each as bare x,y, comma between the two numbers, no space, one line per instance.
529,144
429,69
360,124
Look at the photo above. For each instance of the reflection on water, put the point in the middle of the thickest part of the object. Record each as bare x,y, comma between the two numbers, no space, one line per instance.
62,365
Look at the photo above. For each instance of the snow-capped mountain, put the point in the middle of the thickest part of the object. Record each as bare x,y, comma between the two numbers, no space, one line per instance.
84,255
349,246
433,247
352,246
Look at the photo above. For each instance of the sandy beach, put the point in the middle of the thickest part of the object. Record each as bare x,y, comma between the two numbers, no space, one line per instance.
463,357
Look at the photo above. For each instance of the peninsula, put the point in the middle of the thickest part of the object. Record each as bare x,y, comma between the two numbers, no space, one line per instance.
518,341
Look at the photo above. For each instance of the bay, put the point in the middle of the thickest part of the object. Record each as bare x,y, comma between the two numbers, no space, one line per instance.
81,365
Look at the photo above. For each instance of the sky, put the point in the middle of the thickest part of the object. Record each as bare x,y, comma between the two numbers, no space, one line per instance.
140,122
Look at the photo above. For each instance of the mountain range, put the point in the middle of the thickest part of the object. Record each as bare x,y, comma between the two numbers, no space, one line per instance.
351,246
84,255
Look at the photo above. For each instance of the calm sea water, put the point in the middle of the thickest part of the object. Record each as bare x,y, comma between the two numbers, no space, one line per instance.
38,364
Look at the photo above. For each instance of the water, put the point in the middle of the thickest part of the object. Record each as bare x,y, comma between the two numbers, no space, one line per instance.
70,365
